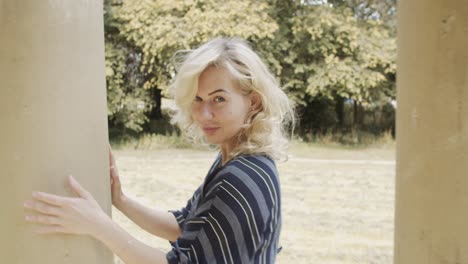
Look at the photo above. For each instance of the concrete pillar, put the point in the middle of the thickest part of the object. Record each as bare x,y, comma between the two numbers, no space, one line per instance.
52,121
431,220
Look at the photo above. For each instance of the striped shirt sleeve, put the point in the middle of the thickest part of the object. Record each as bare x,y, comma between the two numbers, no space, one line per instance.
182,214
232,223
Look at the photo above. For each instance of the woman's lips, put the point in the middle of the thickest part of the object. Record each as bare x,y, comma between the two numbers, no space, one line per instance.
210,130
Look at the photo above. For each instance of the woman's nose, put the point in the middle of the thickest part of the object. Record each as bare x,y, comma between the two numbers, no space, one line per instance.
205,112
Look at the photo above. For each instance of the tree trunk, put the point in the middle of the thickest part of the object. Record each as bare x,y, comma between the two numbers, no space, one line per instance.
156,113
339,108
356,115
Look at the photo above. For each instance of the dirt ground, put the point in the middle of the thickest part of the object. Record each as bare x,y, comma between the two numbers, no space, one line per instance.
338,204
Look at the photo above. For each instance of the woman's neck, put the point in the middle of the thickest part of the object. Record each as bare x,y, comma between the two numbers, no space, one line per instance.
224,155
226,150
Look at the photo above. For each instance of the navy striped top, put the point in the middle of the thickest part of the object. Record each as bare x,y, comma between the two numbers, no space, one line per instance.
233,217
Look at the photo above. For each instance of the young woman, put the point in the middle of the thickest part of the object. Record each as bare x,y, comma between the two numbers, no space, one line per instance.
227,97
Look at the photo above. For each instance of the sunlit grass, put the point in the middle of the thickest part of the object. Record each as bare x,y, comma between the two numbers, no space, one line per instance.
337,204
151,142
351,141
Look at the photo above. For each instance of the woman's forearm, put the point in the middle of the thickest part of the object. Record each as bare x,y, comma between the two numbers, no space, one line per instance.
156,221
129,249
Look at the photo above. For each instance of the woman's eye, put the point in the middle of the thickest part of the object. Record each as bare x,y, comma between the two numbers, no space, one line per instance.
219,99
197,99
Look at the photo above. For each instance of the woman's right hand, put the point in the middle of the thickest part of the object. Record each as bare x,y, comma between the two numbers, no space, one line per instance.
116,187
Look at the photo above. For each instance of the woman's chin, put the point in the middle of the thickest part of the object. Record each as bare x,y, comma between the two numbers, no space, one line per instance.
212,140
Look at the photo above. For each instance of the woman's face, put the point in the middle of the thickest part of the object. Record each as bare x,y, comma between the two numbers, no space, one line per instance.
220,108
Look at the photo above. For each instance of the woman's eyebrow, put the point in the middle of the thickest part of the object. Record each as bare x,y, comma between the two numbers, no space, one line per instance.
217,91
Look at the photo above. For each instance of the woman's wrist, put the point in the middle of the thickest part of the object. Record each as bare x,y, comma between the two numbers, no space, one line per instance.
106,232
103,221
127,247
120,201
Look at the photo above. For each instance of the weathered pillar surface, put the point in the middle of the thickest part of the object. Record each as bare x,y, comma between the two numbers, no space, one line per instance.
431,223
52,121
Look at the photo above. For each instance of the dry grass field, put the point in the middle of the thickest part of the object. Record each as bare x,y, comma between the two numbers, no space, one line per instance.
338,204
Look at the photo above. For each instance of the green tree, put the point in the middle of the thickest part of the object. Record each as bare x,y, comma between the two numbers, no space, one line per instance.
128,104
323,52
336,56
382,10
160,28
142,37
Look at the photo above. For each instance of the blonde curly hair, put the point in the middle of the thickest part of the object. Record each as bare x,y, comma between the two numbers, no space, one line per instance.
265,131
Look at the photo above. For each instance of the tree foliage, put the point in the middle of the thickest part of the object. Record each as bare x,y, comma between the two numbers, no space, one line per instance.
334,55
127,103
158,29
331,55
323,52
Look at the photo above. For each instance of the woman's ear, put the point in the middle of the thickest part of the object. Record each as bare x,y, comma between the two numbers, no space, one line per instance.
255,102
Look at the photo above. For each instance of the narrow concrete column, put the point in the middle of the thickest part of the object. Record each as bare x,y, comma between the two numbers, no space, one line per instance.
431,221
52,121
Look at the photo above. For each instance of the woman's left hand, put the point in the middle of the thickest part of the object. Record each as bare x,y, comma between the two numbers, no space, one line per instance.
80,215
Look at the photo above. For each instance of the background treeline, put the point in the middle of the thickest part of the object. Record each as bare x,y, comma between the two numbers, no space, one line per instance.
335,59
